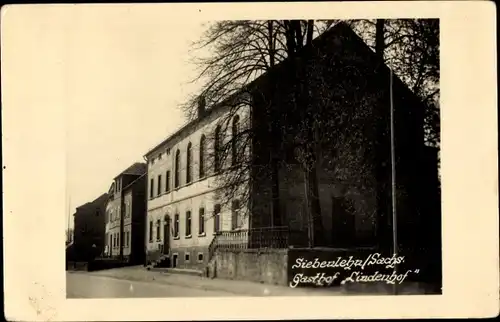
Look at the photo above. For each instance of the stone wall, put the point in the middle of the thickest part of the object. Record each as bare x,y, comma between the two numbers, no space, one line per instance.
264,266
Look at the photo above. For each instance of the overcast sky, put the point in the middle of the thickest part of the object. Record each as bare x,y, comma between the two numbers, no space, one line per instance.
127,72
119,73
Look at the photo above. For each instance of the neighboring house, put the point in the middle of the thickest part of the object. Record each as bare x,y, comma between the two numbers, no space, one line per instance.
125,215
89,232
351,97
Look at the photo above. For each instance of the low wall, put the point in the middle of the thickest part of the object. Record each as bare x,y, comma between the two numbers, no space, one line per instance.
262,266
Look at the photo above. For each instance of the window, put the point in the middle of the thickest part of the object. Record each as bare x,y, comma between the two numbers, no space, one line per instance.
97,212
235,208
200,257
159,156
110,240
188,163
188,223
151,187
234,141
202,156
117,239
201,224
168,151
217,218
167,181
217,148
176,226
150,231
159,184
126,239
177,168
186,257
158,231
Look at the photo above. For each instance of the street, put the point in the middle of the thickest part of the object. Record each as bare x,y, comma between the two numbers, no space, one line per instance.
83,285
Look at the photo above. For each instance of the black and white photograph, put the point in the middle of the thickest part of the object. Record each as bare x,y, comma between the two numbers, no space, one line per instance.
308,164
245,158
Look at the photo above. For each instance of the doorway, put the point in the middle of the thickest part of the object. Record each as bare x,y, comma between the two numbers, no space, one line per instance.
174,260
166,238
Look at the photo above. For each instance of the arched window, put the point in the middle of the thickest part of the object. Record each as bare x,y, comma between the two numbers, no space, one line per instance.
188,163
202,156
177,168
217,147
234,141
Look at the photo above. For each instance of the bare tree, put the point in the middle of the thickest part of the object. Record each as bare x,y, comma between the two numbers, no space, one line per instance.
238,52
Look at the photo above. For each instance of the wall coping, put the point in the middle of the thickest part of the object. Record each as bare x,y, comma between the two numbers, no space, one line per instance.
255,251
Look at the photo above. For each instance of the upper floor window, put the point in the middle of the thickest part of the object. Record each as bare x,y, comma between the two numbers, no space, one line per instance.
188,163
167,181
217,149
151,187
177,168
159,184
217,218
201,223
202,156
158,231
235,139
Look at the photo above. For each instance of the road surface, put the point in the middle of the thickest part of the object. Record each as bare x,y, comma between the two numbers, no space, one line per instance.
81,285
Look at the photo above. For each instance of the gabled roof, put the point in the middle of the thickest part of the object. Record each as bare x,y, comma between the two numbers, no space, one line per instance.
138,169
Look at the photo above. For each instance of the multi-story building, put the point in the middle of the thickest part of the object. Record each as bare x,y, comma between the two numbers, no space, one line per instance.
183,212
125,215
88,241
351,91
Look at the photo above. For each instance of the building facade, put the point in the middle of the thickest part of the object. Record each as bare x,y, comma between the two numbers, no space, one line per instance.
183,209
125,215
350,92
89,232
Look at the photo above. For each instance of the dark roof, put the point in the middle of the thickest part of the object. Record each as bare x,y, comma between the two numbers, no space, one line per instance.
341,30
134,182
102,197
138,169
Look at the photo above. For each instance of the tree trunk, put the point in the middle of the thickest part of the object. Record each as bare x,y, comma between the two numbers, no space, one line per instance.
314,219
383,150
275,183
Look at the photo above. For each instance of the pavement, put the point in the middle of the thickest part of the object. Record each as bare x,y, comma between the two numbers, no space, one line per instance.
136,281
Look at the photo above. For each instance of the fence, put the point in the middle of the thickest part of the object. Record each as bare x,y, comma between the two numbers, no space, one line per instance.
265,237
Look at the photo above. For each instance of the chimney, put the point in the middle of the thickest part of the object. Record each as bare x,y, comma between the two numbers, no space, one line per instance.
201,106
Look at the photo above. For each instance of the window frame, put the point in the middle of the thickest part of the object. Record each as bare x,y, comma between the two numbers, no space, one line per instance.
201,169
189,161
158,188
189,223
235,127
217,212
177,173
201,222
176,226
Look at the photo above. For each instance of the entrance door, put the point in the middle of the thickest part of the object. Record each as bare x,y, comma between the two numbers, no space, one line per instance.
166,238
